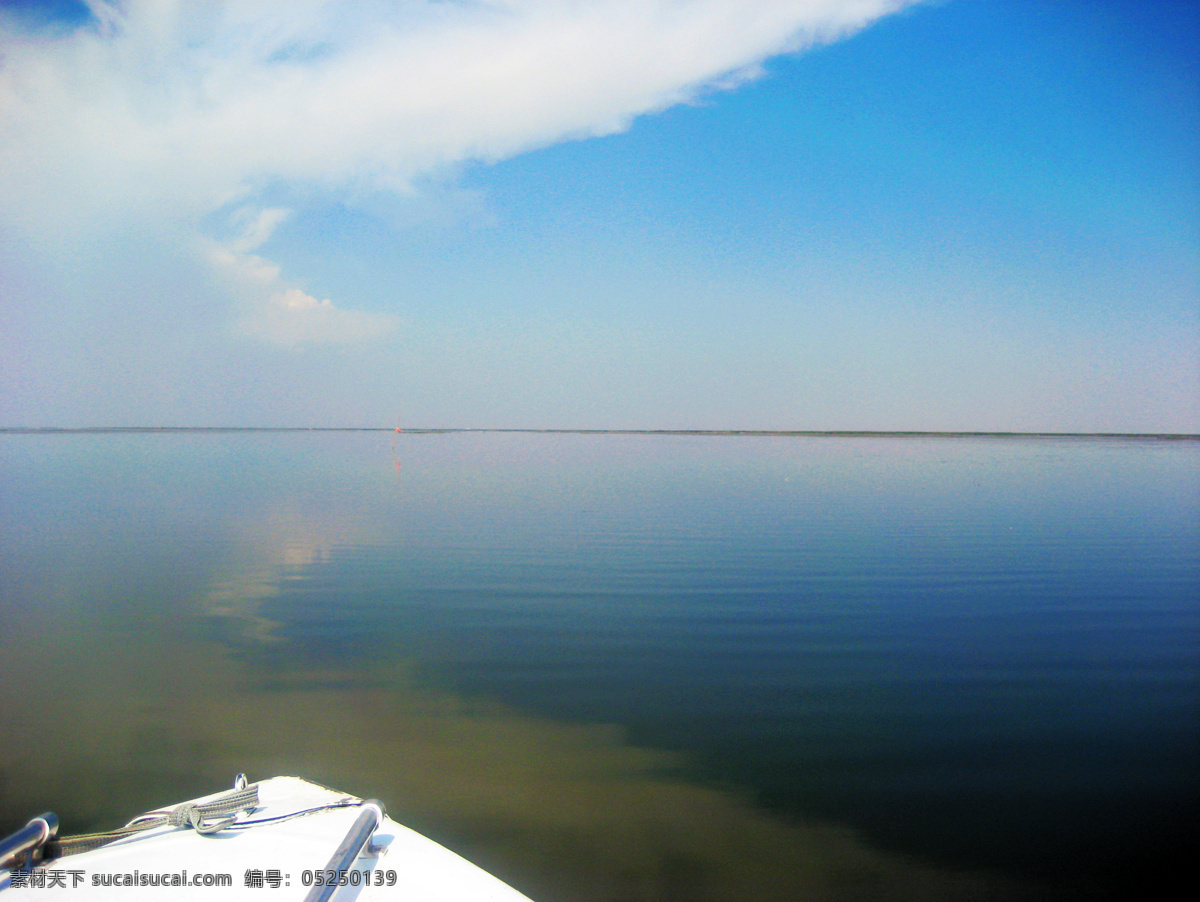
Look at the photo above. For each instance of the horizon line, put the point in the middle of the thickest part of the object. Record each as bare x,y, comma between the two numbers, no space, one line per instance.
441,430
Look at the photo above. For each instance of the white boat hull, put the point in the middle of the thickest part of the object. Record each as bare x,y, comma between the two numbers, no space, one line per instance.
269,861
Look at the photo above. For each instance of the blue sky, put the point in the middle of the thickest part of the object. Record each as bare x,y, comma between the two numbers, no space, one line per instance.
972,214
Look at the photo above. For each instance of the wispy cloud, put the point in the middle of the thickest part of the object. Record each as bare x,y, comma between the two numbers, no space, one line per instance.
195,104
276,311
158,113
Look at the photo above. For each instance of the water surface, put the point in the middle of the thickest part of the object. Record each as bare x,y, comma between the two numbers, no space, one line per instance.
627,666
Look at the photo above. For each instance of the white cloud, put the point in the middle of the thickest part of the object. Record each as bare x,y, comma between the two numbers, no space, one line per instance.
257,224
294,319
161,112
188,105
280,313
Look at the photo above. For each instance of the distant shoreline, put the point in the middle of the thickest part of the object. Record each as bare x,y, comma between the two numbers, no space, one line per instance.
784,433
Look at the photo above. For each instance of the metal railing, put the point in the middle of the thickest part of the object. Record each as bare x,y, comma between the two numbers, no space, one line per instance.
27,840
351,847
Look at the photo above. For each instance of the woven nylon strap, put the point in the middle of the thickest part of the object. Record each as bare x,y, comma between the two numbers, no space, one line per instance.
198,817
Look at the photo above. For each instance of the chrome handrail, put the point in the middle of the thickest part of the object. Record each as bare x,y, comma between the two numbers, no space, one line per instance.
28,839
351,847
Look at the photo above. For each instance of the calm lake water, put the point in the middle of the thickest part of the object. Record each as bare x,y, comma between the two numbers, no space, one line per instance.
626,666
